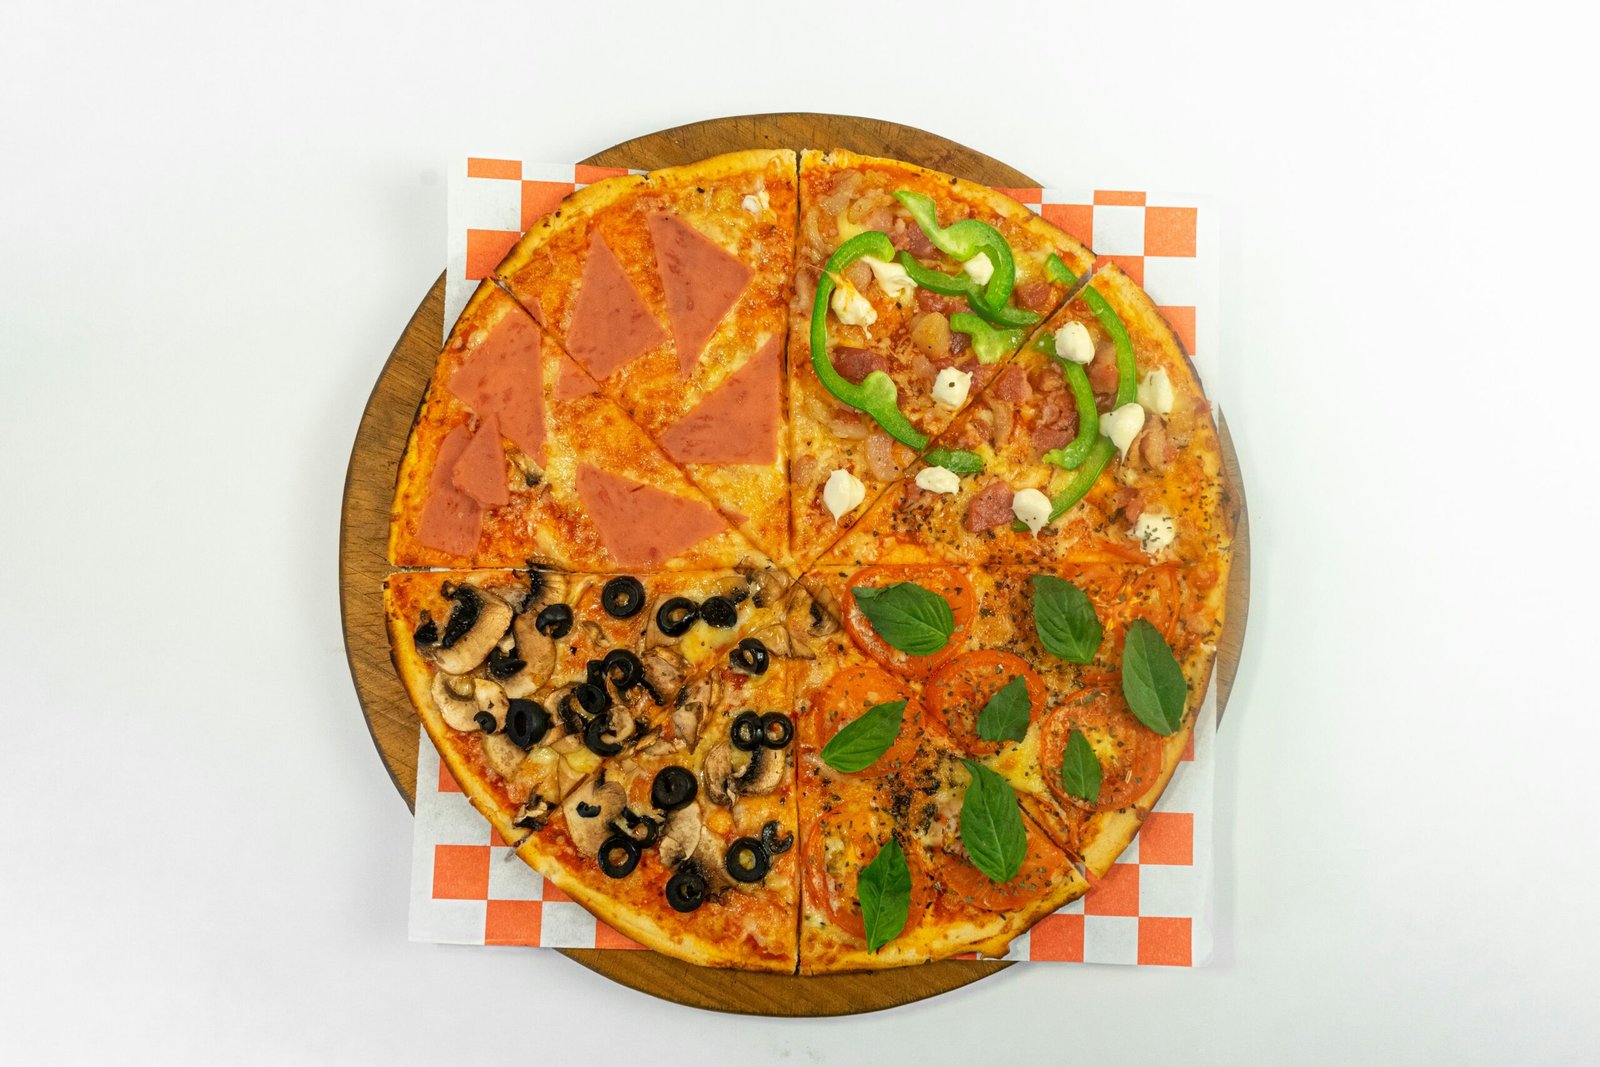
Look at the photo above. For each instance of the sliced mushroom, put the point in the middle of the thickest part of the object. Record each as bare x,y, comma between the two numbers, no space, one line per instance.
491,701
681,834
718,774
460,699
589,810
810,619
538,654
468,651
664,669
524,472
767,584
693,701
775,638
503,755
708,856
761,776
620,724
533,814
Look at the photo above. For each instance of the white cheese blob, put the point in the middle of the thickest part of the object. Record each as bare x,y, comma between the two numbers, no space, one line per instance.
1074,343
852,308
892,278
980,268
756,203
950,388
1122,426
843,493
1155,392
1032,507
938,480
1155,532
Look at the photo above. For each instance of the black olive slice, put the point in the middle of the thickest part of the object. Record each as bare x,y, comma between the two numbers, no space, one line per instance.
750,656
618,855
594,737
770,840
535,583
622,597
623,669
676,615
777,729
588,810
642,828
595,672
427,631
673,788
593,699
720,612
504,664
686,889
554,621
462,615
747,860
486,722
747,734
526,723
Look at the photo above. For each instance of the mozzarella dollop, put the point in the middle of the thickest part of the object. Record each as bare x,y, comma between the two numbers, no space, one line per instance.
892,278
950,388
852,308
1155,392
756,203
1032,507
843,493
1155,532
1074,343
980,268
1122,426
938,480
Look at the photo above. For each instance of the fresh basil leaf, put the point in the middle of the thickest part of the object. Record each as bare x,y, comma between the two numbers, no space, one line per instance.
957,461
884,890
909,617
1152,680
991,824
1005,717
860,744
1080,768
1065,620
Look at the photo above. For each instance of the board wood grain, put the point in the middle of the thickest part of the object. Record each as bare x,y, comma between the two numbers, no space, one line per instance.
369,489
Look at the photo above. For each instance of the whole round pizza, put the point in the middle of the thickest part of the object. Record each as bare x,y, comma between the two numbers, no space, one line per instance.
810,562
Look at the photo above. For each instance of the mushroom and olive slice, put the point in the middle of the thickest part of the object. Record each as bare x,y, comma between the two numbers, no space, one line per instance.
718,772
590,810
533,814
761,776
461,701
477,622
808,620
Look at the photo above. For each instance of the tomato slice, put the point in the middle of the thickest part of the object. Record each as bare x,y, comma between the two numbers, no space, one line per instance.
946,581
1121,595
846,697
958,691
1042,865
831,874
1129,751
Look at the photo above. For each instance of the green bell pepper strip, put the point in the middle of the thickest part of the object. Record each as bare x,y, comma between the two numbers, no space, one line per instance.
938,281
957,461
989,343
877,394
1072,456
963,240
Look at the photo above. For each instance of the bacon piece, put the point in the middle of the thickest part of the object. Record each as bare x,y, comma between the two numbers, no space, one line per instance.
1046,438
1002,422
1129,501
1153,446
1103,370
847,425
1012,385
990,508
1035,296
854,364
928,300
880,457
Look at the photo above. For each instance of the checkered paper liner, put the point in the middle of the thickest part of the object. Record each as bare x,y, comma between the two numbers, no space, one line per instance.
1153,907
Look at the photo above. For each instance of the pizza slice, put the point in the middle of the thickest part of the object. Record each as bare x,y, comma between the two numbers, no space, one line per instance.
515,457
1101,467
912,290
671,291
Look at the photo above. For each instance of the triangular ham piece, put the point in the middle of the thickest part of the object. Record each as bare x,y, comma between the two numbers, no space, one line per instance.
610,324
451,520
643,526
502,378
738,421
572,381
480,472
702,282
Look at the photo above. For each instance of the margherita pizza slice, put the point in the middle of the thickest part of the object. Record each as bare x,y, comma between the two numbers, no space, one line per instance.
671,290
1102,467
928,284
515,457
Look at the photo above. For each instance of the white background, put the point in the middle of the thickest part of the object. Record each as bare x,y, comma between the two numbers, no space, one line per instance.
215,219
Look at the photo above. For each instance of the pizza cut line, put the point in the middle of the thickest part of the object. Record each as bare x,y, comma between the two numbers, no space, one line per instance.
810,562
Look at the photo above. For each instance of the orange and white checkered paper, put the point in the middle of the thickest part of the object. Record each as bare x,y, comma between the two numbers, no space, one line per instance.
1155,905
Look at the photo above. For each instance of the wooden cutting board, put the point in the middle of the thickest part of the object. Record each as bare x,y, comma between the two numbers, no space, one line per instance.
364,528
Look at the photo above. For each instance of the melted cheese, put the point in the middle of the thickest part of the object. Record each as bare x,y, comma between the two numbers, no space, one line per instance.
843,493
852,308
938,480
1155,392
1155,533
980,268
1122,426
1032,507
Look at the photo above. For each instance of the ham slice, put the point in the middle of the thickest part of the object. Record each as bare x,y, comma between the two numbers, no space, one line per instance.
702,281
502,378
451,520
643,526
572,381
480,471
738,421
611,326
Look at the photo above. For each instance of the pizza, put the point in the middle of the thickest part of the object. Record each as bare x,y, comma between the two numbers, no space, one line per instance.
810,562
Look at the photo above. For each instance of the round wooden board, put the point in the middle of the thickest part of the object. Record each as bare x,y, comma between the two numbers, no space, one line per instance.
364,529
